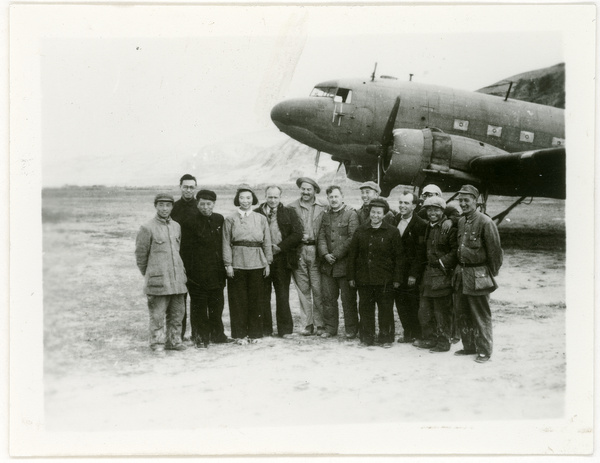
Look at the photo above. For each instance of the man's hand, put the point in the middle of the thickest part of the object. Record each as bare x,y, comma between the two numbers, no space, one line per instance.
446,226
411,281
276,249
352,283
396,285
330,258
229,271
267,271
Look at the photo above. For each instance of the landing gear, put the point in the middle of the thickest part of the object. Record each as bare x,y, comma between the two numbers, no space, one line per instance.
500,217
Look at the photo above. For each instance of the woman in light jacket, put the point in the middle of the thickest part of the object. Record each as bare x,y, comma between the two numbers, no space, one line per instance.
247,255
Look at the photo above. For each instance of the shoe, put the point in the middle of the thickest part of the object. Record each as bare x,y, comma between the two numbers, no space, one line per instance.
350,336
253,340
439,349
157,348
386,345
308,331
320,330
482,358
464,352
242,341
424,344
222,340
178,347
326,335
407,340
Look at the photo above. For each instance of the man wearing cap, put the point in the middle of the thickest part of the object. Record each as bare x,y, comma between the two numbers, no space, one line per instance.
452,214
157,257
307,277
374,268
435,310
185,207
479,260
286,233
202,234
337,229
412,236
368,192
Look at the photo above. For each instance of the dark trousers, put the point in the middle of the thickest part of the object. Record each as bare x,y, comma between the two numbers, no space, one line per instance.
244,292
407,305
184,321
474,319
435,315
331,288
206,310
383,297
279,279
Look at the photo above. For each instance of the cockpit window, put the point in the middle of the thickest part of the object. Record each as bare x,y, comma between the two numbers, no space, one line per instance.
328,92
345,94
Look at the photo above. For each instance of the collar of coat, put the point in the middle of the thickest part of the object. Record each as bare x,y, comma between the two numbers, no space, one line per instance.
384,225
163,221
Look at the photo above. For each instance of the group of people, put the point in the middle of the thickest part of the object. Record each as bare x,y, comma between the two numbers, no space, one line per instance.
435,264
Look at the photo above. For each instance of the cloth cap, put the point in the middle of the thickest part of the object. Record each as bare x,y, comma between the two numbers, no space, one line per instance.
206,194
371,185
431,188
244,187
163,197
379,202
470,190
435,201
302,180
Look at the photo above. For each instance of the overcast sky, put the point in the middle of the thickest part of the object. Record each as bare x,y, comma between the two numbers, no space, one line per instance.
159,94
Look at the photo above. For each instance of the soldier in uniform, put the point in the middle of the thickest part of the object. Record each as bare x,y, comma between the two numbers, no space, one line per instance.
368,192
436,289
479,260
157,257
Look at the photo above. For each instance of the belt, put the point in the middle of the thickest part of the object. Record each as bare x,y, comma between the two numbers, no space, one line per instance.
309,243
248,244
462,264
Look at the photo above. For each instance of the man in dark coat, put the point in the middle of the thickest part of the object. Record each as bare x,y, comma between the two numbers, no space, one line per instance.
202,235
286,234
374,268
185,207
412,233
368,192
479,260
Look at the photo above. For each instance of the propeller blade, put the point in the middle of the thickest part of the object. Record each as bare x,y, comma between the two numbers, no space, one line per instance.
336,172
317,161
386,140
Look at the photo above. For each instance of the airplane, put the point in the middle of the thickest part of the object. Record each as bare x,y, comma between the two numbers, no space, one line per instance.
408,133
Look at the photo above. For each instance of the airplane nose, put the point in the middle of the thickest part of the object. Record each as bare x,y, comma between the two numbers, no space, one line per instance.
280,114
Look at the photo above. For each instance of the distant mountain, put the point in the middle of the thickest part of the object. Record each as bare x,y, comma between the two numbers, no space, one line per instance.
543,86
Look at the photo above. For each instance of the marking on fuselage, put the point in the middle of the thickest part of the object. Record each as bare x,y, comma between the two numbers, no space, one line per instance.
526,137
494,131
461,125
558,141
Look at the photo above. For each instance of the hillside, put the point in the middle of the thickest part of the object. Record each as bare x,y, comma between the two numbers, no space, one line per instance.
543,86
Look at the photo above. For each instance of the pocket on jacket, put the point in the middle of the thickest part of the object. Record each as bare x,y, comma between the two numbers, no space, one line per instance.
483,280
155,281
440,281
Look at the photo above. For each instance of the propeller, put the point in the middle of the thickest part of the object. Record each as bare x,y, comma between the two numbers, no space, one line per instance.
336,172
383,150
318,155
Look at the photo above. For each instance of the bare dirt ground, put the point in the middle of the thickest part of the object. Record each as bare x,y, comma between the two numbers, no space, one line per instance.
99,373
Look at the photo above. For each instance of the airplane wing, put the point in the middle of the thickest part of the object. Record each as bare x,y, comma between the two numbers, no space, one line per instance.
526,173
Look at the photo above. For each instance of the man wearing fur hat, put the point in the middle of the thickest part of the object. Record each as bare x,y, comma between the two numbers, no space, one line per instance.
157,257
307,277
479,260
435,310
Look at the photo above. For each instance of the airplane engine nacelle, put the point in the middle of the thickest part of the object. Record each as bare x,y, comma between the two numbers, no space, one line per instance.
430,154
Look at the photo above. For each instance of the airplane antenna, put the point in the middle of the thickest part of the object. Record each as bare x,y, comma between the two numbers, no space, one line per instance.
373,75
507,93
410,77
